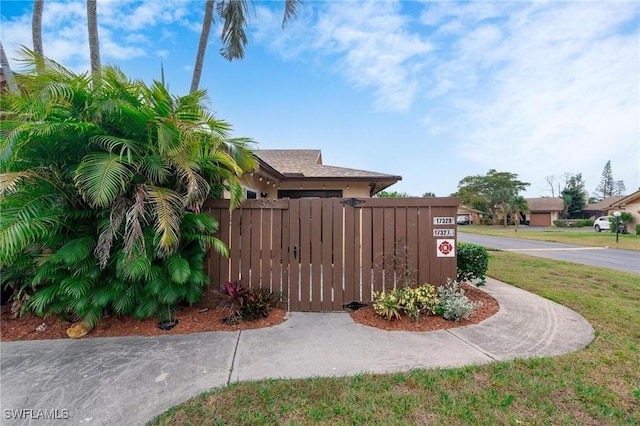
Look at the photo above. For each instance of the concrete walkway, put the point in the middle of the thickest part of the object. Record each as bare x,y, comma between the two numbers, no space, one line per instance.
129,380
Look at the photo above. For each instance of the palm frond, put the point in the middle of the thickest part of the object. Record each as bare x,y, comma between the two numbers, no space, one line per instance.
290,10
234,16
135,219
167,206
101,177
155,169
178,269
9,182
125,148
108,233
75,250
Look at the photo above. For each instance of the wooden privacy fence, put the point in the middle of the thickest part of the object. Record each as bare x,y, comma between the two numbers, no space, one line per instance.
323,253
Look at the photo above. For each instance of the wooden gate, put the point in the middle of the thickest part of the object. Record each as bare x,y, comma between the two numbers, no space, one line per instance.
323,253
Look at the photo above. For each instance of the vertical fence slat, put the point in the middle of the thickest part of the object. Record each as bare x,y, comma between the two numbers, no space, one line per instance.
349,253
245,247
338,254
294,253
327,255
305,255
366,255
389,248
276,242
255,249
413,251
266,254
401,248
378,248
285,261
316,254
234,252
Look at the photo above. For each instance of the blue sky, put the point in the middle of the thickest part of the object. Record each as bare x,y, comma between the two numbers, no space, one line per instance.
430,90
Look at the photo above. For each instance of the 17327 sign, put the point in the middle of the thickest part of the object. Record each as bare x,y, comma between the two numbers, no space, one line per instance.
448,232
443,221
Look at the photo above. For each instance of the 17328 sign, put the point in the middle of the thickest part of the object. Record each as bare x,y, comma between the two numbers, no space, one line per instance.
443,221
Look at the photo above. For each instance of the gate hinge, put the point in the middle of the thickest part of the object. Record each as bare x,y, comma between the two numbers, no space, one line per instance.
352,202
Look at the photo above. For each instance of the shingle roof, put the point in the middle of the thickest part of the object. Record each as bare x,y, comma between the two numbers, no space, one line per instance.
545,204
307,163
606,203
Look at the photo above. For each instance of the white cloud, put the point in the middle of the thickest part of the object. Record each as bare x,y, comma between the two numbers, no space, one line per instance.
370,41
562,92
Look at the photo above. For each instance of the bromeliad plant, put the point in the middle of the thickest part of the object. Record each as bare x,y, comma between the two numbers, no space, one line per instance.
101,186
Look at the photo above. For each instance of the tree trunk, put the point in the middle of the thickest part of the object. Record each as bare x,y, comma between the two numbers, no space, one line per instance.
94,45
6,70
36,30
202,47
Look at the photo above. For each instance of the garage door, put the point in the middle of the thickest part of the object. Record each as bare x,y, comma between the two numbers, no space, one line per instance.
540,219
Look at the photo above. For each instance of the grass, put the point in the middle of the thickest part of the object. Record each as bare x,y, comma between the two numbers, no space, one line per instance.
585,237
599,385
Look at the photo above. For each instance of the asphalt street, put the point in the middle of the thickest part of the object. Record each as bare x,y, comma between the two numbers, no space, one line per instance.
611,258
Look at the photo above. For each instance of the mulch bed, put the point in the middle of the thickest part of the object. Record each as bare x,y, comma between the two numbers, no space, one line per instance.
194,320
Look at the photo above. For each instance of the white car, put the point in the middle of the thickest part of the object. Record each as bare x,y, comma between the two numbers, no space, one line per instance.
602,223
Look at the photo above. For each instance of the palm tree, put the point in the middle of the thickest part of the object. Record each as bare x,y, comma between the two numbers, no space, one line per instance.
101,188
6,70
513,206
202,46
36,27
94,43
233,14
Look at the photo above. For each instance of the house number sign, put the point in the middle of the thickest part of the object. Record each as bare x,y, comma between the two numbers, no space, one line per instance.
444,232
443,221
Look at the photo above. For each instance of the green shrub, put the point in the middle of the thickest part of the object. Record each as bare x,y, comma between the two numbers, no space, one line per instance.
638,229
584,222
454,304
410,301
258,303
473,261
566,223
101,185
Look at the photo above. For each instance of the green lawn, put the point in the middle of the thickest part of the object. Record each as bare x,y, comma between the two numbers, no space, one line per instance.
599,385
584,237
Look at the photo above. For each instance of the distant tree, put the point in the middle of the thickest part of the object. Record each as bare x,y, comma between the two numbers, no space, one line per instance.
488,193
394,194
551,182
574,197
513,206
428,195
608,186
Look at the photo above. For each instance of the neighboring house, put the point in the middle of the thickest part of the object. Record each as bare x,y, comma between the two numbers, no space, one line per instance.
543,211
299,173
601,208
628,204
473,215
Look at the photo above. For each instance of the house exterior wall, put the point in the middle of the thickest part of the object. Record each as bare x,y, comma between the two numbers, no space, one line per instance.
632,207
474,216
